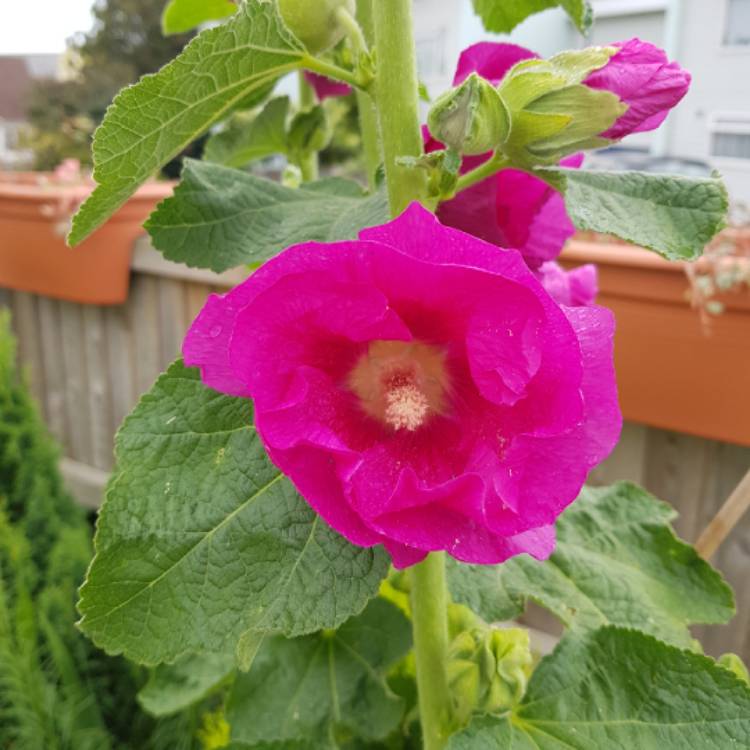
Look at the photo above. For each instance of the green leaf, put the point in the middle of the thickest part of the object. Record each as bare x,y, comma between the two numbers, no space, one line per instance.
150,123
324,685
249,137
201,539
618,562
183,15
674,216
620,690
502,16
482,589
219,218
175,687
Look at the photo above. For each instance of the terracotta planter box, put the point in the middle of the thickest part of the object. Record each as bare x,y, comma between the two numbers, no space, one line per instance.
673,371
34,214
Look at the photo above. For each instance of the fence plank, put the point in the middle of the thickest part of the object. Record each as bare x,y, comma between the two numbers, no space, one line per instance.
195,298
26,326
76,382
144,302
628,459
120,363
678,470
171,320
99,388
50,333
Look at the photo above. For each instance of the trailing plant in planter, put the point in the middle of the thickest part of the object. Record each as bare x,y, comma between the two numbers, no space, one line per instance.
374,449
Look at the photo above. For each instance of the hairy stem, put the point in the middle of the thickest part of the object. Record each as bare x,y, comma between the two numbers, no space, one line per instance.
309,162
368,115
396,97
429,602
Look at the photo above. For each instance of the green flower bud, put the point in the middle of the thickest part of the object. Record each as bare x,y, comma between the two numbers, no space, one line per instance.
512,659
488,668
309,131
471,118
314,23
552,113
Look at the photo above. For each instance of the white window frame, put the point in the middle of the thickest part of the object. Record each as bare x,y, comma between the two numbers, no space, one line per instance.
611,8
731,123
739,49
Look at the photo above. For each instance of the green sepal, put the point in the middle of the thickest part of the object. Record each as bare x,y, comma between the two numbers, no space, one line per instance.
471,118
443,168
552,113
488,667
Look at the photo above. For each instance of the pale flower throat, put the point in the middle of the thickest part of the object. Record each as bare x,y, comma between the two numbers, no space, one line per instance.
401,383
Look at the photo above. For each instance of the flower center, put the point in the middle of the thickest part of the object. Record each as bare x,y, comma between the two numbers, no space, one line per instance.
401,383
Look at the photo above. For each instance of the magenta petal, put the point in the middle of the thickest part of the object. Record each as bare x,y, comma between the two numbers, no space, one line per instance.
207,344
503,399
321,487
326,87
642,76
491,60
402,555
572,288
540,496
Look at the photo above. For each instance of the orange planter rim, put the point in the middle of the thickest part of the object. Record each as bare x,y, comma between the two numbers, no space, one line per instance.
41,186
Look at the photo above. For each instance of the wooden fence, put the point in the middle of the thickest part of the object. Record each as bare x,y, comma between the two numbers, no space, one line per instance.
88,366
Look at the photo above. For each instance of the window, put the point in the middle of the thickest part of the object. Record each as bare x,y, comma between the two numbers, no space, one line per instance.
737,32
730,136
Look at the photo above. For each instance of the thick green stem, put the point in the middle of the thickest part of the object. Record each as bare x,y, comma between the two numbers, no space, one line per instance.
368,115
397,100
429,602
309,162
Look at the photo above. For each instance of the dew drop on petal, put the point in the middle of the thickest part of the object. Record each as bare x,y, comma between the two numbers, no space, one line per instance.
214,332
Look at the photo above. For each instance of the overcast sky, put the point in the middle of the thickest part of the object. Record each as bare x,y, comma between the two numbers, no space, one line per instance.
41,25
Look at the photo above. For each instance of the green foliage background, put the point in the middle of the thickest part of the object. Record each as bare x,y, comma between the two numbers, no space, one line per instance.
57,691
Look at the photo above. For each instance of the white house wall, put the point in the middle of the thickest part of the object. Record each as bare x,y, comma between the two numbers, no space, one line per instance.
721,86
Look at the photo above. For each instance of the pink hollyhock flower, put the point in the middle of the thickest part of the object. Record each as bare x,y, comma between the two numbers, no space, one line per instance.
325,87
514,209
573,288
419,387
639,73
642,76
